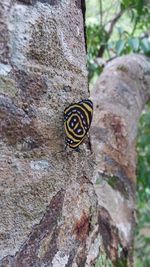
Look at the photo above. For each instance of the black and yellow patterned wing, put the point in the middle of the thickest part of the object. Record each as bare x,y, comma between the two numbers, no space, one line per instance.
77,121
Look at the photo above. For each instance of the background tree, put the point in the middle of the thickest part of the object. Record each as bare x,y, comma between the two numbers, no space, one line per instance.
117,28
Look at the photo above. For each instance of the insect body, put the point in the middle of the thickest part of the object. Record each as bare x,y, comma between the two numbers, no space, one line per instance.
77,121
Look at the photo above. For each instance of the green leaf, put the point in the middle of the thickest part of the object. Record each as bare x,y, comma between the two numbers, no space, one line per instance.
120,46
120,30
126,3
134,44
145,45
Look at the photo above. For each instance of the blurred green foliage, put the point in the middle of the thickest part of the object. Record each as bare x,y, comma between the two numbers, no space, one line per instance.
109,36
116,28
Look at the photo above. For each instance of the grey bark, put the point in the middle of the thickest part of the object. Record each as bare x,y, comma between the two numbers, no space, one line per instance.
119,97
61,208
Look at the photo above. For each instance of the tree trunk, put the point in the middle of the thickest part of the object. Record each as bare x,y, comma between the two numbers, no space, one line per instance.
61,208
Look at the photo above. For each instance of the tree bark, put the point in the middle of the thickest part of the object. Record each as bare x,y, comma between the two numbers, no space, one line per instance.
62,208
119,97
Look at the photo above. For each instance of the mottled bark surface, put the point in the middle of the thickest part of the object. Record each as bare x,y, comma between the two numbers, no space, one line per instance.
46,196
61,208
119,97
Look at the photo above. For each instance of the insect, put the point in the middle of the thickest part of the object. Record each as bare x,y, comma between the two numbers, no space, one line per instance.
77,121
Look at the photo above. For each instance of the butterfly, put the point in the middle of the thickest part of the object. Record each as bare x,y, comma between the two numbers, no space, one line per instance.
77,121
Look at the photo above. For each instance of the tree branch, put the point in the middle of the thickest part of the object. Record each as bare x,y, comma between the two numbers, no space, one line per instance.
119,97
114,21
101,13
109,33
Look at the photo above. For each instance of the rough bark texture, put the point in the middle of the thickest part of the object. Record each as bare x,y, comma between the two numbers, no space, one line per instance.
62,208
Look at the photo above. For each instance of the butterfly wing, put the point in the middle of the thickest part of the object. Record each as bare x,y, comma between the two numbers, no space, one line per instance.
77,120
88,106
